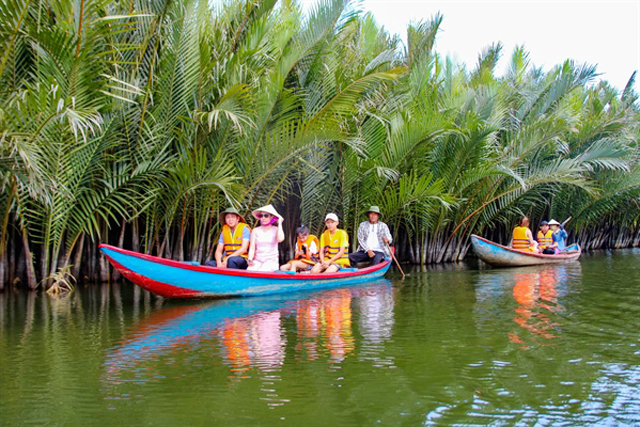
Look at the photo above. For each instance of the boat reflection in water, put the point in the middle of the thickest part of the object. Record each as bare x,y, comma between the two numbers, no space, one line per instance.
537,292
250,333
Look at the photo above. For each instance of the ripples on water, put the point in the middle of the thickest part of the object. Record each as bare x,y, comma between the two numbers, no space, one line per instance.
536,345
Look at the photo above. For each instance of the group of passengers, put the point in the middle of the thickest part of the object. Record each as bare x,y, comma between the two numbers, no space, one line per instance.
549,240
241,247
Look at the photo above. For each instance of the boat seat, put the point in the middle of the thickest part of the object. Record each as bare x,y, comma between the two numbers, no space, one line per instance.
349,269
192,262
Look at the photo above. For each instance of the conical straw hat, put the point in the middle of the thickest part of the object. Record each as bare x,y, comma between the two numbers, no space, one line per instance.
268,209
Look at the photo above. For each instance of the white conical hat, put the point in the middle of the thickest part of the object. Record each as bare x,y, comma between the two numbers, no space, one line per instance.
268,209
554,222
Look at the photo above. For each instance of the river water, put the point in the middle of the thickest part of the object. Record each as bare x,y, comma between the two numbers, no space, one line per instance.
551,345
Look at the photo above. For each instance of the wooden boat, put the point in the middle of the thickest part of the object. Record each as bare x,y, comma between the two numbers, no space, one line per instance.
503,256
169,278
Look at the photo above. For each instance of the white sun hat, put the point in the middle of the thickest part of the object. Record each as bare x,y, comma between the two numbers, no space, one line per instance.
332,217
267,209
554,222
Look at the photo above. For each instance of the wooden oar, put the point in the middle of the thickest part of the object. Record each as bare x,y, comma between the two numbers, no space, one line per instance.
567,220
395,259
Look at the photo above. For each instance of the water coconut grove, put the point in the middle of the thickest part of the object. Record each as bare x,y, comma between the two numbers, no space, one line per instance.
136,123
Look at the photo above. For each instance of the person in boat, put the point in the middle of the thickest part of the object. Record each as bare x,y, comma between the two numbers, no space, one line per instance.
334,247
373,239
523,238
263,247
545,239
233,243
306,255
559,236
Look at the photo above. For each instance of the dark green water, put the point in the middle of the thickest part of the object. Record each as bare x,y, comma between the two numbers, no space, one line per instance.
554,345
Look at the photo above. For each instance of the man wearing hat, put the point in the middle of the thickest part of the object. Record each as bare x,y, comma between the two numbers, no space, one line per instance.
233,243
373,239
545,239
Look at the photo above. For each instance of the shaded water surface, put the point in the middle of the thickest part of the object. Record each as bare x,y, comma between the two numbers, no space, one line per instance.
545,345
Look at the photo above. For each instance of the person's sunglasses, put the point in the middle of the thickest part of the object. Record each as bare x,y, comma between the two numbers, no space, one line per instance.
264,215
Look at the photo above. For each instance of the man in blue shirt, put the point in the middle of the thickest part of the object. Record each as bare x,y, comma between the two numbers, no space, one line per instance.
559,236
233,243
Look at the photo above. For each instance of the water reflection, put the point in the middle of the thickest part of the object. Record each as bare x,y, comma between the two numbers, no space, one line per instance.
536,292
434,349
250,333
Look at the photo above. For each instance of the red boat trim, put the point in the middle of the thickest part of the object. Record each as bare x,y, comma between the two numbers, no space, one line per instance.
531,254
152,286
233,272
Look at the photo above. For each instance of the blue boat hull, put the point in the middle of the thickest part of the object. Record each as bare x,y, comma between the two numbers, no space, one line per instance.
169,278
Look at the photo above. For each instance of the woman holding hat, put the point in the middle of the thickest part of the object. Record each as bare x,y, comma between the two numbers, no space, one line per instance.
263,247
373,239
233,243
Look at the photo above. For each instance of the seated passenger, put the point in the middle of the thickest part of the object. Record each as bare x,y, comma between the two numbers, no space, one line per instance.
522,237
334,247
306,255
545,239
233,243
263,248
559,236
373,239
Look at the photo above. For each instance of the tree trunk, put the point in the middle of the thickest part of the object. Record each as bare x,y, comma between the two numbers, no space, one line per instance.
103,263
3,269
77,260
116,273
32,282
135,235
13,259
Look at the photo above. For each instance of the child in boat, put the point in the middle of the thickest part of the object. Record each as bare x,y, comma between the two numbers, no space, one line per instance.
263,246
306,255
334,247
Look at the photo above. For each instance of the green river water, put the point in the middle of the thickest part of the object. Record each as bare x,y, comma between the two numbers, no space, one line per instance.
551,345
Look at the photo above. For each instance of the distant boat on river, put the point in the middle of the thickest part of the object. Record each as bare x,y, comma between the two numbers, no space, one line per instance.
169,278
502,256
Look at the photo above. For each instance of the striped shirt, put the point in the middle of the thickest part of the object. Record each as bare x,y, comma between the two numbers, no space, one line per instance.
381,230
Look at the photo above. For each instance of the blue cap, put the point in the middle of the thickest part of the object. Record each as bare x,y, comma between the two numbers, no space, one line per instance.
544,223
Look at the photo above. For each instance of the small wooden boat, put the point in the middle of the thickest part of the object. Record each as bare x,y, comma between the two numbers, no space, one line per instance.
169,278
503,256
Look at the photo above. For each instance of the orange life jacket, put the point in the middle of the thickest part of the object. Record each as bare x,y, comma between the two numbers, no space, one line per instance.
545,240
333,249
520,239
307,257
233,241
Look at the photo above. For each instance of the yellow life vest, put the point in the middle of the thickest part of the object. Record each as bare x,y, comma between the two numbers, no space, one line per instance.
545,240
308,255
334,247
520,239
233,241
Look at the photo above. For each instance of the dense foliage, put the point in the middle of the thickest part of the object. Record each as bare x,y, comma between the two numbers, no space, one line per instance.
135,123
